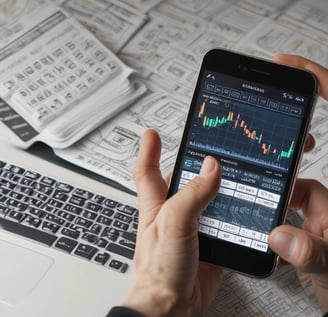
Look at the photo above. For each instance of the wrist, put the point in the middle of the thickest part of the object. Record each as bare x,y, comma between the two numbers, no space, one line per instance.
153,301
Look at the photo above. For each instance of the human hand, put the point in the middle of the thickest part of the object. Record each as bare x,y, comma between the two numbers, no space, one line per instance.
307,249
170,280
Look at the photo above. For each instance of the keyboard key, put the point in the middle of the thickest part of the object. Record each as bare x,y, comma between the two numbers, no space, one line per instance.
49,209
85,251
128,236
3,211
96,228
101,243
16,216
15,195
110,233
70,233
113,247
66,244
65,215
50,227
7,175
60,195
77,201
89,237
47,181
110,203
27,182
118,265
16,205
24,190
34,202
7,184
74,209
4,191
40,196
104,220
83,222
72,226
126,209
120,225
39,187
83,193
66,188
89,215
127,243
31,221
15,169
31,175
98,199
122,217
55,219
107,212
93,207
36,212
102,258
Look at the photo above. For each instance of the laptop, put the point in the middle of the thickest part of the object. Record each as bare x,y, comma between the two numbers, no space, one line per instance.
43,271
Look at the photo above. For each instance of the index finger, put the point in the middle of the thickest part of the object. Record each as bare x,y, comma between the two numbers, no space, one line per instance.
300,62
151,186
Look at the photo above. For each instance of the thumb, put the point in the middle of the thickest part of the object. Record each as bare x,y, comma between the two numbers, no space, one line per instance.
196,194
305,251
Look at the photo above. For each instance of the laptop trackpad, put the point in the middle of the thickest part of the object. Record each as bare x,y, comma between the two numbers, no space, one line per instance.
21,270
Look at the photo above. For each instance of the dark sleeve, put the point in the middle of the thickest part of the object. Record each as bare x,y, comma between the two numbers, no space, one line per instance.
120,311
325,315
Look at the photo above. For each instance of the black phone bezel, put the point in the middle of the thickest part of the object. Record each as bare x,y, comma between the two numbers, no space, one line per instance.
232,256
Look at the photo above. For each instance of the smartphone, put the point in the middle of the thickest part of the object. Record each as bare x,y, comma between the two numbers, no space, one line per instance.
253,116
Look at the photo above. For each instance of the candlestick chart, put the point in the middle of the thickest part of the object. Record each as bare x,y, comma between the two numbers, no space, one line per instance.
245,132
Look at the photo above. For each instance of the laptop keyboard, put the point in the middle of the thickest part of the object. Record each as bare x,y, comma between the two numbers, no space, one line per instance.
59,215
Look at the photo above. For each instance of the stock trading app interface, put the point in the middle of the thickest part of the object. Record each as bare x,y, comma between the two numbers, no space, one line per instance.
252,131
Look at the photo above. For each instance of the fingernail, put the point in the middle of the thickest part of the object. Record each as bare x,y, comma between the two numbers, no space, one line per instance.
283,243
208,166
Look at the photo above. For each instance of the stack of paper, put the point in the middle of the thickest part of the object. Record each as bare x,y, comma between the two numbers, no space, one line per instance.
57,81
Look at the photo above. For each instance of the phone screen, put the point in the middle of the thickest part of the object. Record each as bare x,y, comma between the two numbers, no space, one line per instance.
252,130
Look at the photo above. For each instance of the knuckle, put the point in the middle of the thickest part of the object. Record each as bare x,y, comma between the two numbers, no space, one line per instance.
307,254
313,255
196,188
138,172
143,172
